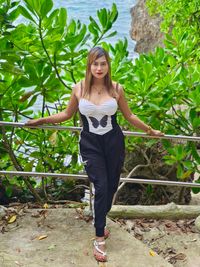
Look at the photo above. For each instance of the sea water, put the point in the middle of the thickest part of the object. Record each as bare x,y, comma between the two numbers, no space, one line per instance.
82,10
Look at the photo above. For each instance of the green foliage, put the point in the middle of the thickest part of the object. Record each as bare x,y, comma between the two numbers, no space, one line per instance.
181,14
42,59
180,82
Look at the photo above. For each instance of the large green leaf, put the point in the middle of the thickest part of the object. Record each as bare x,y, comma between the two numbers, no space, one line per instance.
102,15
114,13
25,13
46,7
62,18
94,24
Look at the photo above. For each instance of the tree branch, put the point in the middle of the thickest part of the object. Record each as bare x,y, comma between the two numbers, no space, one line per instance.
15,162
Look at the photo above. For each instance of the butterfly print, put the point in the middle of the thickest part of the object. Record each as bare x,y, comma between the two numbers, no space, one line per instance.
103,121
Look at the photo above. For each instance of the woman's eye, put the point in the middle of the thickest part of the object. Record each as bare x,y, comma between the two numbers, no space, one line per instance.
96,64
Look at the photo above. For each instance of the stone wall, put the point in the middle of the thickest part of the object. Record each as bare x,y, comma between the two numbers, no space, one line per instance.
145,30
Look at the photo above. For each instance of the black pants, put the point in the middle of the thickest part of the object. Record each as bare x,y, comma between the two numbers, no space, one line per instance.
104,157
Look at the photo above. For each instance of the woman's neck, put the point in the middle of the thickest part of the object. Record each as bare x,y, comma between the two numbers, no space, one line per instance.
98,82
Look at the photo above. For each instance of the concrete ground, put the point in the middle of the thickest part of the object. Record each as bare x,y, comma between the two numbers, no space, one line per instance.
58,238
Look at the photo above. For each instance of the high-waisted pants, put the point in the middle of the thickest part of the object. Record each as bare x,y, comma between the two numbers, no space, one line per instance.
104,157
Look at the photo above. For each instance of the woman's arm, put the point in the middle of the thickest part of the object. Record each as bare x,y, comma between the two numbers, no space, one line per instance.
61,116
133,119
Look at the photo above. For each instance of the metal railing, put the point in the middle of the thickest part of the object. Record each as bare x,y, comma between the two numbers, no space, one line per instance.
78,129
84,177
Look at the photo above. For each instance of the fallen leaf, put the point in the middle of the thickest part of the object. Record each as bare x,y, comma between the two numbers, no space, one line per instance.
180,256
12,219
50,226
43,212
171,250
45,206
42,237
35,215
152,253
51,246
19,264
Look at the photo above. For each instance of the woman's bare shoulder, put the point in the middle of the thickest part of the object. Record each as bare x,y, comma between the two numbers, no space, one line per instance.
118,87
77,89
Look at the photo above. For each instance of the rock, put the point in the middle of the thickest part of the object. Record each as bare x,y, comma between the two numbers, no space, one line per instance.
197,223
2,212
87,212
145,30
130,225
155,233
138,231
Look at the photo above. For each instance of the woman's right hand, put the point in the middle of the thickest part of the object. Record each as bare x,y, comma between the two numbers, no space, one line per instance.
34,122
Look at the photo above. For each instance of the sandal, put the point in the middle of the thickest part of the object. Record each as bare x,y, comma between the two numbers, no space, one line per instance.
106,233
102,257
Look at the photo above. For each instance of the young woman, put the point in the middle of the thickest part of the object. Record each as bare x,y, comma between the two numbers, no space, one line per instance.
102,142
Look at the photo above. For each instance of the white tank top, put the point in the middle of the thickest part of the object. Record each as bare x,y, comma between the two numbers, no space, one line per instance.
98,116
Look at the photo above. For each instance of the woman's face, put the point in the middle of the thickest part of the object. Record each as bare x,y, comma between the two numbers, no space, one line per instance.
99,68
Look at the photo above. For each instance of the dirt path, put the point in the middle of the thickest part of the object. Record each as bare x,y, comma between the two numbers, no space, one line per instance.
60,237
